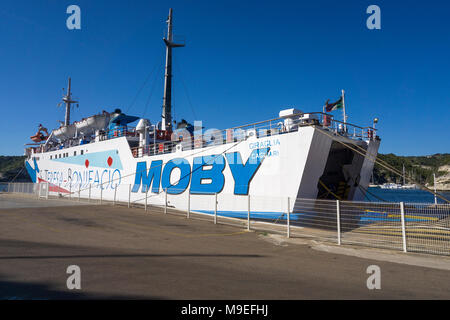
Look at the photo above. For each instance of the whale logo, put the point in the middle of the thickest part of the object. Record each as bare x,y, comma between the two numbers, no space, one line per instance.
32,171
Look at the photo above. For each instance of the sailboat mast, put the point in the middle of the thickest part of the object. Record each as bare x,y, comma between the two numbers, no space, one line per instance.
403,174
166,123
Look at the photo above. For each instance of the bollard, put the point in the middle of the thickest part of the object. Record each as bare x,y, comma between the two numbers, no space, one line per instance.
101,193
115,193
79,191
90,185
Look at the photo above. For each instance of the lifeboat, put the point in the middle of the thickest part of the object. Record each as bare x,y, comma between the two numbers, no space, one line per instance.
88,126
65,132
39,136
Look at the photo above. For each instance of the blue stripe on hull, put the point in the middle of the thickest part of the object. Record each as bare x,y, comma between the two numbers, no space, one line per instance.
264,215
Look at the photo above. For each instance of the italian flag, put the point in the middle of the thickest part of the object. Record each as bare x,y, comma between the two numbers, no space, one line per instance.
333,106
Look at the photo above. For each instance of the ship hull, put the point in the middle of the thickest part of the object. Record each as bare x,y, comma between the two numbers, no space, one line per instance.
273,171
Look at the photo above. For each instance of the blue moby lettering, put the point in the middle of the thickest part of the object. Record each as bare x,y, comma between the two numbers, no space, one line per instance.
206,176
154,175
185,176
244,173
200,175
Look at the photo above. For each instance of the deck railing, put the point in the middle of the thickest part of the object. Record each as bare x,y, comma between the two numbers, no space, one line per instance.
186,141
162,142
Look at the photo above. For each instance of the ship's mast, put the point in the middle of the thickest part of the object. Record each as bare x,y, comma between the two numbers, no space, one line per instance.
166,123
67,99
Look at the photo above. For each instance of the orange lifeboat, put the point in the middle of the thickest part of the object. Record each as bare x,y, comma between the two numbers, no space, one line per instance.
39,136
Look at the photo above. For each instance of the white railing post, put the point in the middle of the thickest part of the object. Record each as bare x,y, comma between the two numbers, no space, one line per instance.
79,191
70,190
248,212
188,204
288,218
402,216
115,193
215,208
90,187
101,193
338,221
165,201
146,196
129,195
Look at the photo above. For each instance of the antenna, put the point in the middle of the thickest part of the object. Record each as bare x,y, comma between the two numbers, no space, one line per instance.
166,123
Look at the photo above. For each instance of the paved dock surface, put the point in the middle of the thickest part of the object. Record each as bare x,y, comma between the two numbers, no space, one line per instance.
130,254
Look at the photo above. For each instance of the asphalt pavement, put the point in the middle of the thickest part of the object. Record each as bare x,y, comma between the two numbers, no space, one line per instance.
132,254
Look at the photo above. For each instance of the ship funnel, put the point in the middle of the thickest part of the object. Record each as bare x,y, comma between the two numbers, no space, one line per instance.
142,128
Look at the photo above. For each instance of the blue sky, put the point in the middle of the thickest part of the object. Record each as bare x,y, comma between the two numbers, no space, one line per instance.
243,62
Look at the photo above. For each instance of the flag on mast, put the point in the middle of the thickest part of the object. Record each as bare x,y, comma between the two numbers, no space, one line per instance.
334,106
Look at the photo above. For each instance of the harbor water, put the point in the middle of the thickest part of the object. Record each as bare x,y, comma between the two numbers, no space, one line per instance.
405,195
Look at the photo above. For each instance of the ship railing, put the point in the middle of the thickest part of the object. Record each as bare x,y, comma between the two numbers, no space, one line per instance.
33,150
183,140
121,132
129,132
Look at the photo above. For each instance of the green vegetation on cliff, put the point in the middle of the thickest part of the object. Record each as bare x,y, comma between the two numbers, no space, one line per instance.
420,168
10,166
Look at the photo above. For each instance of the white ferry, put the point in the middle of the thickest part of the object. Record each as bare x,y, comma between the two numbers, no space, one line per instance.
296,154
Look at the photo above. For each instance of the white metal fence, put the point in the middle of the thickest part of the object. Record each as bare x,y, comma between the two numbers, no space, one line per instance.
409,227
